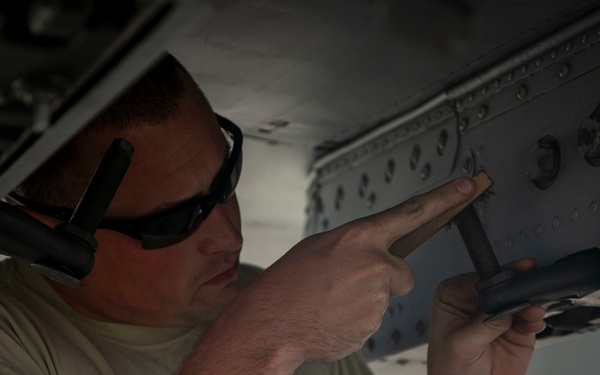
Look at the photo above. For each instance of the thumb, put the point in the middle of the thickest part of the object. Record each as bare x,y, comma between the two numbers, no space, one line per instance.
482,333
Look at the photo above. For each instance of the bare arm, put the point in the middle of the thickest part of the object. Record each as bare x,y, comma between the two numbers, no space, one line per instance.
324,297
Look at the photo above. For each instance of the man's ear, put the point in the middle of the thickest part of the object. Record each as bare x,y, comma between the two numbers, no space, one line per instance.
49,221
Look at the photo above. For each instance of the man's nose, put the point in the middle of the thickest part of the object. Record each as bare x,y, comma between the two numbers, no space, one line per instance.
220,231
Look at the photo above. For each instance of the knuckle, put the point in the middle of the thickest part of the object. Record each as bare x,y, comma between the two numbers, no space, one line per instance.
407,284
358,232
371,325
413,208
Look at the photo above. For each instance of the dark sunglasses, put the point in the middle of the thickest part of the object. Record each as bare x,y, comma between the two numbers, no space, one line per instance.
175,224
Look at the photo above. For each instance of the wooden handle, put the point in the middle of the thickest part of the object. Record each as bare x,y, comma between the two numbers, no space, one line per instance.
405,245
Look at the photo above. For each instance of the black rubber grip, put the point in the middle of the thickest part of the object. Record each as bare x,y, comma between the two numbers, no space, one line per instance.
570,278
103,186
26,238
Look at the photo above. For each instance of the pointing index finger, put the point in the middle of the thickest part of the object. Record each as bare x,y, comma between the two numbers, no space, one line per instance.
405,245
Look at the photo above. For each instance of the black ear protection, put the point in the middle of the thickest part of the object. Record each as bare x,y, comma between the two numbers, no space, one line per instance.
66,253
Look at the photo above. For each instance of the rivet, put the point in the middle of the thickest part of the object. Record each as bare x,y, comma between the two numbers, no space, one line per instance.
420,328
584,38
555,222
339,198
480,150
371,200
538,62
389,171
522,236
319,206
471,97
484,90
399,308
510,76
425,172
553,54
564,71
539,229
522,92
509,242
396,337
370,344
524,69
593,207
482,113
497,83
364,184
463,125
568,46
574,215
414,157
442,142
467,165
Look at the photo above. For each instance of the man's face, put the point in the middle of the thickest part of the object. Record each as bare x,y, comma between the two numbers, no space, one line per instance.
188,282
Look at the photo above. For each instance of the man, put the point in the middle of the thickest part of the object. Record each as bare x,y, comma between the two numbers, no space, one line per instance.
165,294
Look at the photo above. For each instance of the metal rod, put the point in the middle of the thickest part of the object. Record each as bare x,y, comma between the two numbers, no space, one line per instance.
477,243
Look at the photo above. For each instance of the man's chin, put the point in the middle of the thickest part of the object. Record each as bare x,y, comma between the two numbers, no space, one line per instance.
219,303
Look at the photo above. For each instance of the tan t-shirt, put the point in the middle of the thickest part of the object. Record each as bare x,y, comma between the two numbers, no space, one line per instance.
41,334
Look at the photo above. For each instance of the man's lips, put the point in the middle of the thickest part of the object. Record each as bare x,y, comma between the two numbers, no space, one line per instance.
225,276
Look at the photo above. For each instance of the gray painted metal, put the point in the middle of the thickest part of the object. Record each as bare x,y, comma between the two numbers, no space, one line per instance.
141,56
332,71
493,126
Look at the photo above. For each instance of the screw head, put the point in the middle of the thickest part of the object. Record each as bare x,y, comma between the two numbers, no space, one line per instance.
522,92
425,172
467,165
364,184
564,70
463,125
442,142
339,198
414,157
389,171
483,111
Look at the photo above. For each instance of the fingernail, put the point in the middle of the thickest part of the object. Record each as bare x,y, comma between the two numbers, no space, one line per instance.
464,187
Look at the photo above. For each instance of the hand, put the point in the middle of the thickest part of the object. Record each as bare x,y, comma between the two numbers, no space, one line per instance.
327,295
461,343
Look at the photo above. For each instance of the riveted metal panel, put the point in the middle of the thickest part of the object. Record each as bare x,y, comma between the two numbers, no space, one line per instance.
496,123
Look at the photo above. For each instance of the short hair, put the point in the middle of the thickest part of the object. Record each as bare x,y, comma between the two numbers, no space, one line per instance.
151,100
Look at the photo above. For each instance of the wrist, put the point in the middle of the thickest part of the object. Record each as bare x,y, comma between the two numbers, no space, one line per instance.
234,345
